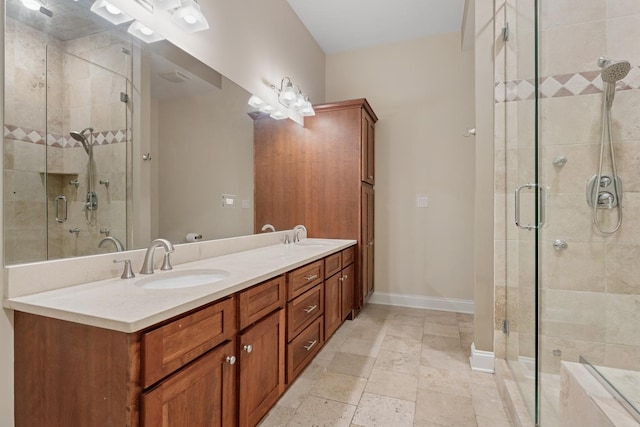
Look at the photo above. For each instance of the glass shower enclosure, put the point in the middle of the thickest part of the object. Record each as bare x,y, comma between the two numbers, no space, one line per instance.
567,286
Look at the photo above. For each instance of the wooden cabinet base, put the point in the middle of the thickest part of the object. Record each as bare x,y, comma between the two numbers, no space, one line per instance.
200,395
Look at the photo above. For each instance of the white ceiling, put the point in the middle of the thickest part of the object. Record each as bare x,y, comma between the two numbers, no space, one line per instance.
342,25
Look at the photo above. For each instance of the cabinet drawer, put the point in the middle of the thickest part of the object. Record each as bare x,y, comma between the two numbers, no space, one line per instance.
303,310
304,278
332,264
303,349
348,256
260,300
175,344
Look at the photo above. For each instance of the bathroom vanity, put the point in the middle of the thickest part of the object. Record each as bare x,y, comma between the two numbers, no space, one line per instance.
113,353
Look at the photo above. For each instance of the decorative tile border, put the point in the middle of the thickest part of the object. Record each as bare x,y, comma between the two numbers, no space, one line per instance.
560,85
61,141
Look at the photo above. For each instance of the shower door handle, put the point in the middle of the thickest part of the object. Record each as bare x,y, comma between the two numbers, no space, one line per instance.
541,206
61,201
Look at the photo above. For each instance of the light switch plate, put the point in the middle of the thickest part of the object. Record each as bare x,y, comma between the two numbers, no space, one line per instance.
422,201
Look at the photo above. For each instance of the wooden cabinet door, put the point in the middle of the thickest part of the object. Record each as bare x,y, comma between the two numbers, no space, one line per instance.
368,149
347,289
261,368
202,394
332,304
367,243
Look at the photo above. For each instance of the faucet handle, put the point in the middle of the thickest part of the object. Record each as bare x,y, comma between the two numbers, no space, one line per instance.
127,273
166,262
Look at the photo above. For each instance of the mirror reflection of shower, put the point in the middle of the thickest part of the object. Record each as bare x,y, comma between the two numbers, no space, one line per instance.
85,137
604,190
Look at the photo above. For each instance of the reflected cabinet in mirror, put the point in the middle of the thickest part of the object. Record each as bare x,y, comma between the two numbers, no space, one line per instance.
84,104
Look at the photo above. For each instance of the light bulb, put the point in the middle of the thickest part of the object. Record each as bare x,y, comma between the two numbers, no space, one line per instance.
190,19
112,9
31,4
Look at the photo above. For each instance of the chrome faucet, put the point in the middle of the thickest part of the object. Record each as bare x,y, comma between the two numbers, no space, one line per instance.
116,242
296,232
268,227
147,265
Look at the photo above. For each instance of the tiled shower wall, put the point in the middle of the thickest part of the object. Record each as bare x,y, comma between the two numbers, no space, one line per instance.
590,292
50,91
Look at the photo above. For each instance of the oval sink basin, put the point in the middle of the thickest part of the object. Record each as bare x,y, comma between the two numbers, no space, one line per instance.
312,242
182,279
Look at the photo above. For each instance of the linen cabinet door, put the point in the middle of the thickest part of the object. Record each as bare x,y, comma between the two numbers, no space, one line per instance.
203,394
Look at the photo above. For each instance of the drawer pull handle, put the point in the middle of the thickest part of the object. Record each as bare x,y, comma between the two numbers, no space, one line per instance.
310,345
231,360
248,348
310,309
311,277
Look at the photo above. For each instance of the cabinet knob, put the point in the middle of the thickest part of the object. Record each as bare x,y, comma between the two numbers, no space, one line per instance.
248,348
231,360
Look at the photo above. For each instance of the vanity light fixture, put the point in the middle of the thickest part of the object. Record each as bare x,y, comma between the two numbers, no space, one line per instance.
307,110
143,32
255,102
293,98
110,12
189,17
278,115
266,108
287,94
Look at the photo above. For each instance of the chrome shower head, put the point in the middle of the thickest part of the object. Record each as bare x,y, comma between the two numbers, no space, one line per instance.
612,70
80,137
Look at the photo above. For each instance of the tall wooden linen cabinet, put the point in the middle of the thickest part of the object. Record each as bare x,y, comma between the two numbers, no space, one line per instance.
321,175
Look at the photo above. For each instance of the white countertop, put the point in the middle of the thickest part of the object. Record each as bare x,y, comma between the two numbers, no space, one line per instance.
120,305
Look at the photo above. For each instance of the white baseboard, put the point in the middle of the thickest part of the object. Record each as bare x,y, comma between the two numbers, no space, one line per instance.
482,361
420,301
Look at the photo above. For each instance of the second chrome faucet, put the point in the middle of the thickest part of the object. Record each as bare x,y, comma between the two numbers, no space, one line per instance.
147,265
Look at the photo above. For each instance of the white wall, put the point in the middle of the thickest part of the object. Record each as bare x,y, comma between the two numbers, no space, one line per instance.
423,94
254,43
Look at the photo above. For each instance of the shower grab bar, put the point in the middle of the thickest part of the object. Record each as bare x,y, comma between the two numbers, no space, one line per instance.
58,201
541,206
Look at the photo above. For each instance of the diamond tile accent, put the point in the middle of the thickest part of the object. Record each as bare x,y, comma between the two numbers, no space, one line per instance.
525,89
549,87
56,140
584,83
577,84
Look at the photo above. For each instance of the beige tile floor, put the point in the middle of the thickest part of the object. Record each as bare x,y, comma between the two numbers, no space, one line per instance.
394,367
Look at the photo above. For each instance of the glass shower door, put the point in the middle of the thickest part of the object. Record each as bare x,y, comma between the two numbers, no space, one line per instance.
520,192
86,147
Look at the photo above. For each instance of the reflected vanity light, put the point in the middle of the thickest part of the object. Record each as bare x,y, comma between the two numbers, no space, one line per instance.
32,4
143,32
189,17
110,12
164,4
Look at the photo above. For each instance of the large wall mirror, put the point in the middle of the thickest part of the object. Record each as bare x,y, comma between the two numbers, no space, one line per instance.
79,95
